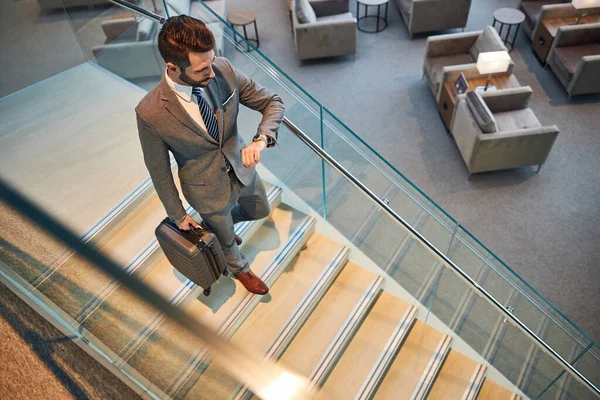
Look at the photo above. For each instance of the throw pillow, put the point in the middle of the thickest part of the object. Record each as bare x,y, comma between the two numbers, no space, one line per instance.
482,114
305,12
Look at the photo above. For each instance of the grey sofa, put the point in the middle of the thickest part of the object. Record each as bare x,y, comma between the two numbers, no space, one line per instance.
433,15
575,58
519,140
131,50
317,36
445,54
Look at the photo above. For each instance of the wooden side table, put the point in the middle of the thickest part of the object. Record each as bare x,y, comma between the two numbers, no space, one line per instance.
244,18
544,35
448,96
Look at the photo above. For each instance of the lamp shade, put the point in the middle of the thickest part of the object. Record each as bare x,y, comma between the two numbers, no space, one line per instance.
493,62
583,4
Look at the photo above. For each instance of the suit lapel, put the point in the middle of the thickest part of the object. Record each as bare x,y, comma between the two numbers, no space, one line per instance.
177,110
219,89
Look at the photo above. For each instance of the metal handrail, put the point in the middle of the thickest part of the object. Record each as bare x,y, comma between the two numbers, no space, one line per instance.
381,203
454,268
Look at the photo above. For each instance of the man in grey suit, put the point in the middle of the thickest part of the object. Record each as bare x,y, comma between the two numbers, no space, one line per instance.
193,114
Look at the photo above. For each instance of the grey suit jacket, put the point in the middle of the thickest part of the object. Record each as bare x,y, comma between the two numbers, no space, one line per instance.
164,125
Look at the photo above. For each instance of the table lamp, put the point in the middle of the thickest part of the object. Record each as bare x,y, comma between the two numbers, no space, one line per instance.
581,5
490,63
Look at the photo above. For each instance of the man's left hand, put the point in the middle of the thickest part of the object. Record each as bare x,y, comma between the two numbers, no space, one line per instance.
251,154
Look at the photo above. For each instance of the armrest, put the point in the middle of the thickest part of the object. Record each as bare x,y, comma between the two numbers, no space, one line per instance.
573,35
115,28
587,76
507,99
454,43
324,8
464,129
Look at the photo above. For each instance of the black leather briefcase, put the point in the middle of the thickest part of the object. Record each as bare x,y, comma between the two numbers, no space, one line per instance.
196,253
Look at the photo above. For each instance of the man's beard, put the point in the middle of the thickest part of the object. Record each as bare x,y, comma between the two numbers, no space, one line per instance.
186,79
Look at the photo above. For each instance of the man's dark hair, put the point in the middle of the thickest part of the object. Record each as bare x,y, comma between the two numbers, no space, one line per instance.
182,35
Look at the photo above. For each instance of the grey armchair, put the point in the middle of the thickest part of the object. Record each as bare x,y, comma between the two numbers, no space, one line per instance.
519,139
433,15
318,36
575,58
446,54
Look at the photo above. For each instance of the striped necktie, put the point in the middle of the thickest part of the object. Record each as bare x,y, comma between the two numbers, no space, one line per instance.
209,119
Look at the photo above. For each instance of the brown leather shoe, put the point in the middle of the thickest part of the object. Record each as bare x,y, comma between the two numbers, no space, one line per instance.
252,283
238,240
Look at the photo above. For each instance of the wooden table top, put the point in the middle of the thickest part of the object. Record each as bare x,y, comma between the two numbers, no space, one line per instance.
500,81
242,17
553,24
510,16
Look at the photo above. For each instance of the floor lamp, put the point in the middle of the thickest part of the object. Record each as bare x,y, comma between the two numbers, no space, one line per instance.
492,62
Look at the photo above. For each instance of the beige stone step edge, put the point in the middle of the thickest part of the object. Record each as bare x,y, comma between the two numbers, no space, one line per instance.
346,333
99,232
302,312
475,383
229,325
144,260
388,355
433,368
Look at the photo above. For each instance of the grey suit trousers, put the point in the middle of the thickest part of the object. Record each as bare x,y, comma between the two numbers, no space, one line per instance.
246,203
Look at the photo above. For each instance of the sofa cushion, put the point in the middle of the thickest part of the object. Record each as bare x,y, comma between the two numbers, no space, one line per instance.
304,12
487,41
180,6
567,58
511,121
434,65
323,8
144,29
482,114
336,17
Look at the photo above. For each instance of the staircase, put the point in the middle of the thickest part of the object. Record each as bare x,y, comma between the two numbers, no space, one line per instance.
326,316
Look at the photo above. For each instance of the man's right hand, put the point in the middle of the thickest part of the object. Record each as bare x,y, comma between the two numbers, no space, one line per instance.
188,223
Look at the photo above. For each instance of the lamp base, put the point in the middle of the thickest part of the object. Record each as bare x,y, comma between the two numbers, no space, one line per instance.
483,89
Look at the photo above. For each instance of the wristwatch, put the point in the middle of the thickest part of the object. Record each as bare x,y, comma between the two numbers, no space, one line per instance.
269,141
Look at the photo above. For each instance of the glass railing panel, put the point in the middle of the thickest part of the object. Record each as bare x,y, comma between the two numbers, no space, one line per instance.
27,250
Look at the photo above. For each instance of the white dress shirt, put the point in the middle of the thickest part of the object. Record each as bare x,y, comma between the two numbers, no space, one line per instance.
188,101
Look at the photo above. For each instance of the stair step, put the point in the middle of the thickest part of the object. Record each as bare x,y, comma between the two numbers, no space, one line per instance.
490,390
455,377
122,315
155,360
311,343
355,366
265,324
411,362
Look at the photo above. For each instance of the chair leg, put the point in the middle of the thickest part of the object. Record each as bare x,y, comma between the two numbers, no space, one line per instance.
538,168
